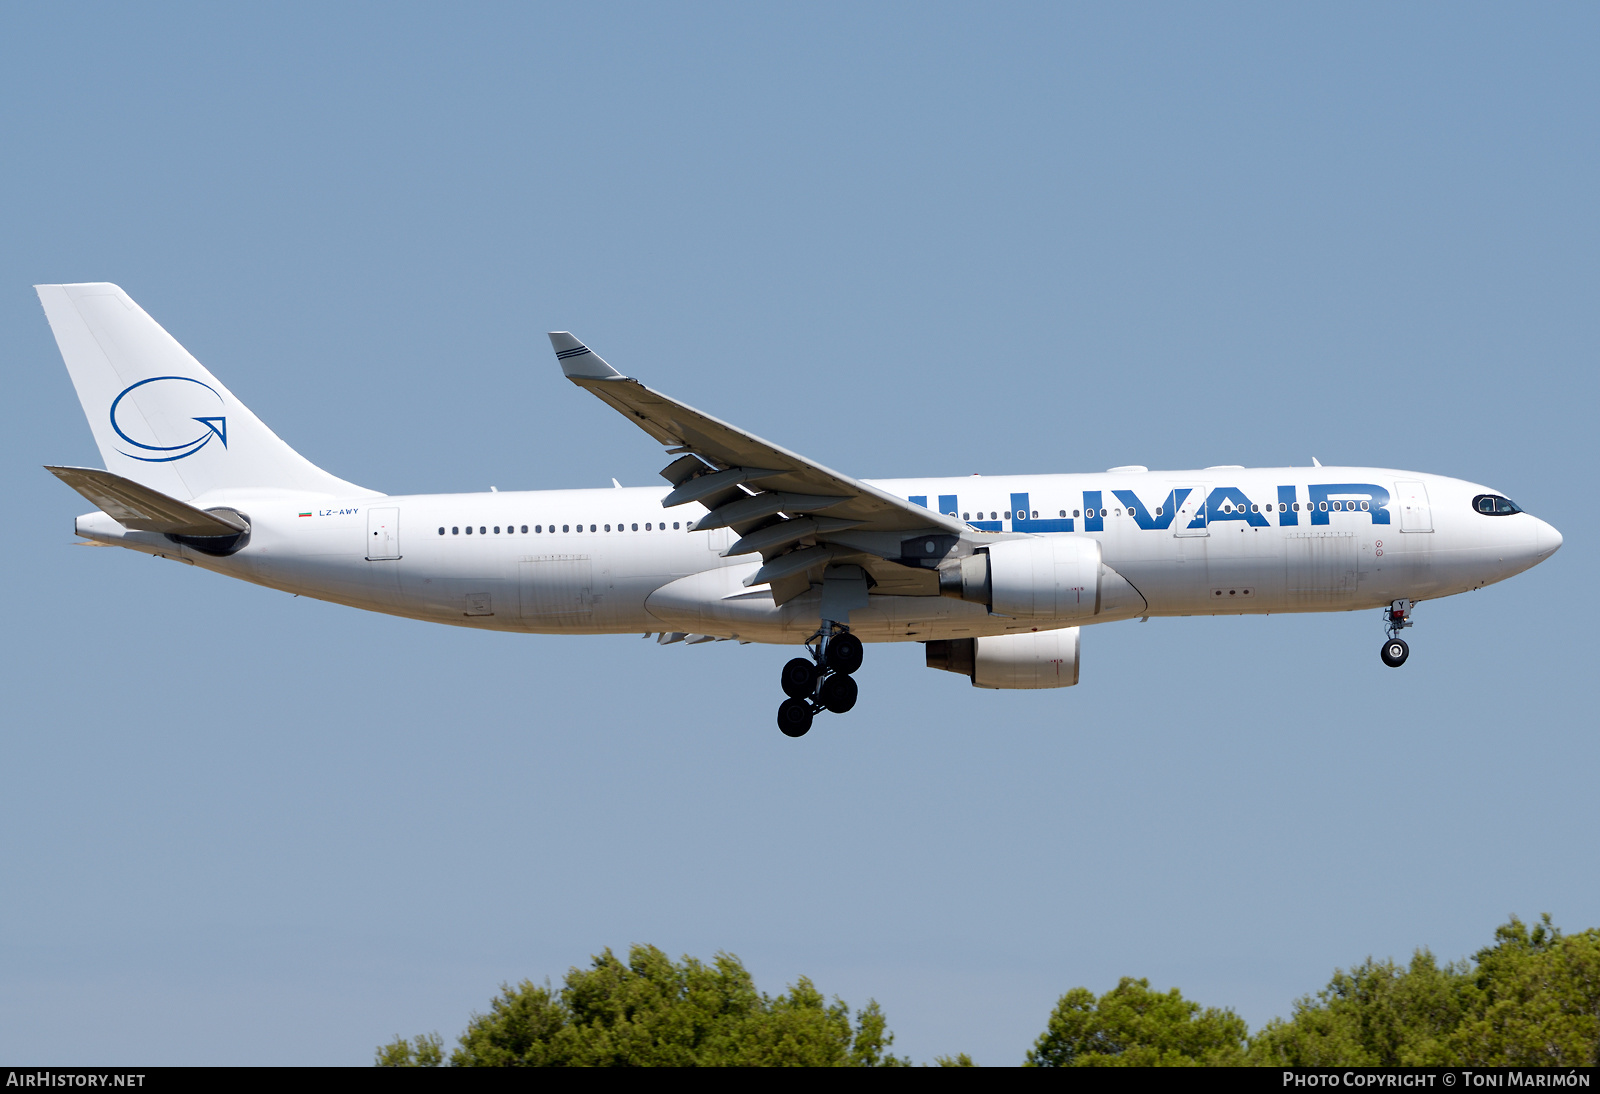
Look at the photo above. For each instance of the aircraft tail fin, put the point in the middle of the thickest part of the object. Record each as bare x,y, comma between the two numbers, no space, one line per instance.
158,416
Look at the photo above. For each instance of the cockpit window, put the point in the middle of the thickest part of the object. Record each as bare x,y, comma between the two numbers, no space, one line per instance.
1493,505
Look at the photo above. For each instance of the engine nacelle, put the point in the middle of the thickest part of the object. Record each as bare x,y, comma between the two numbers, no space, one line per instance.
1044,577
1036,659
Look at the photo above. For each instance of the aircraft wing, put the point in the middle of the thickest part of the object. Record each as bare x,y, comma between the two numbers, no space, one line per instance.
136,506
799,515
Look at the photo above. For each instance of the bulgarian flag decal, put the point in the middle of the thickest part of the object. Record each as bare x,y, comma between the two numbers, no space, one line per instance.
305,514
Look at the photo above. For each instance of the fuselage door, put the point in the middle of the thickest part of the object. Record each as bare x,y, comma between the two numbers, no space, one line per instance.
1191,519
1416,515
556,587
383,534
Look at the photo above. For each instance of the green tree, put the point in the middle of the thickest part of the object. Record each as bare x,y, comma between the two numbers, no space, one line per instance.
652,1012
1539,995
425,1051
1132,1026
1531,999
1378,1014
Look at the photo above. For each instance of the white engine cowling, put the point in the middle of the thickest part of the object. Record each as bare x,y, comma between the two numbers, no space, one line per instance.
1035,659
1050,577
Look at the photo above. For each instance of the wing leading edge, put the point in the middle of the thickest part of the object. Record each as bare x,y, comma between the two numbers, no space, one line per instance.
800,516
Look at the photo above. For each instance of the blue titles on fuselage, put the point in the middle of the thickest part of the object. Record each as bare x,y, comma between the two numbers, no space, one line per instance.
1152,519
1374,496
1229,503
1223,503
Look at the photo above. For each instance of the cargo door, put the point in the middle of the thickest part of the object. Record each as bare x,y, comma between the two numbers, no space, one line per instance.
556,588
1320,568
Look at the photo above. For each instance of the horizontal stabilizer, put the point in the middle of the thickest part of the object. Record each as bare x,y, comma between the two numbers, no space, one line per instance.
143,509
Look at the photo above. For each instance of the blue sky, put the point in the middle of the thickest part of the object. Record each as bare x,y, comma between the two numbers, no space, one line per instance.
904,239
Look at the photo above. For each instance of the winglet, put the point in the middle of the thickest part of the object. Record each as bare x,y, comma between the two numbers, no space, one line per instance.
578,361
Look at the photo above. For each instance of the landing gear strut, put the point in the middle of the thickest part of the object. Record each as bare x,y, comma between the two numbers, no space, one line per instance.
1396,618
822,683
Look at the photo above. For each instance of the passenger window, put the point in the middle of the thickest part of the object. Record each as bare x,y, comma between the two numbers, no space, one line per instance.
469,529
1132,512
993,515
674,524
524,529
1159,508
1008,514
481,531
591,527
1074,512
1323,506
579,527
1103,512
456,531
497,529
966,516
1119,512
441,531
1255,508
636,528
1035,515
564,528
608,527
1296,507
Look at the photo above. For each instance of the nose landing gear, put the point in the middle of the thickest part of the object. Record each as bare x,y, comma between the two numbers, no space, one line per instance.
822,683
1396,618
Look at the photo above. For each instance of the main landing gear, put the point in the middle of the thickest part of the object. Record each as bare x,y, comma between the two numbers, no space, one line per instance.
1396,618
822,683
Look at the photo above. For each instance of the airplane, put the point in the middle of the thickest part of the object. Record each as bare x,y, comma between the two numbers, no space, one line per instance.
995,576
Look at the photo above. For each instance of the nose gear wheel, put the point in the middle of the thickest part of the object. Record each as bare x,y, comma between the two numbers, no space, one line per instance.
1396,618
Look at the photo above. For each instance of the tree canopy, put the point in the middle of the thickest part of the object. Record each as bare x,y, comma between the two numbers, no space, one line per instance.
653,1012
1132,1026
1531,999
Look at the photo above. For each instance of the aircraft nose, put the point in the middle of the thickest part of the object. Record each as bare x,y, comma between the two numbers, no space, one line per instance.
1549,540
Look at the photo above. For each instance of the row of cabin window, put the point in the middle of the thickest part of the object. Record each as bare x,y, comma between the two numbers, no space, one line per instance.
1226,507
538,529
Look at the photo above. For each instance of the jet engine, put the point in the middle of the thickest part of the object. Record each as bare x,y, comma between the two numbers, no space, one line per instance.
1035,659
1048,577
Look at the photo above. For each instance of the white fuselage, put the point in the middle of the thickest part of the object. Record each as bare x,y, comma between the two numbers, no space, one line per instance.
1215,541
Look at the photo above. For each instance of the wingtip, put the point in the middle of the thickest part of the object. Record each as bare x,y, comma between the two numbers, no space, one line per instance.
578,361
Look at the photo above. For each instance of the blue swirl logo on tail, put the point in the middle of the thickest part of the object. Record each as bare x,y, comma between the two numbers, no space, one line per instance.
214,426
